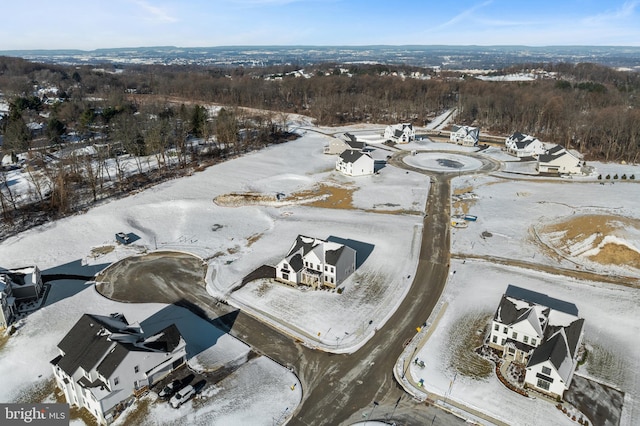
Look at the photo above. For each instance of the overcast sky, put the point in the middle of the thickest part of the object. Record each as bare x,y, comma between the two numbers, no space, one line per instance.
92,24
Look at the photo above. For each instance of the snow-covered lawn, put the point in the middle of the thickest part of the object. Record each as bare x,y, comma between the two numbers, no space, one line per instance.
27,353
510,215
611,322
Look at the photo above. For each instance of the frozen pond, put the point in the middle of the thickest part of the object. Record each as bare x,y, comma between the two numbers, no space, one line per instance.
443,162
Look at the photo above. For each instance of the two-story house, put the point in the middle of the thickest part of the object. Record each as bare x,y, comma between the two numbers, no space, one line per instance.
522,145
355,163
104,361
400,133
26,283
464,135
540,332
314,262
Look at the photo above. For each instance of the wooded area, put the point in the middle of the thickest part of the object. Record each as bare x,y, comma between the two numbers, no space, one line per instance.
160,110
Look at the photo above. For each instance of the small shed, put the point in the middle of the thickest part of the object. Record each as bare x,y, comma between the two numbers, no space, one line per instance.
123,238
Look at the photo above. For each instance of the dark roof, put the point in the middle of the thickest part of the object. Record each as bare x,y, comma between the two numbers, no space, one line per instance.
555,149
351,156
332,256
573,333
397,133
554,350
296,262
113,360
541,299
168,339
517,136
90,342
546,158
84,345
507,312
351,137
300,243
356,144
455,128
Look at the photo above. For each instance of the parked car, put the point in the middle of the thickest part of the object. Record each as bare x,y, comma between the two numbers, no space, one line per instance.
197,388
168,391
182,396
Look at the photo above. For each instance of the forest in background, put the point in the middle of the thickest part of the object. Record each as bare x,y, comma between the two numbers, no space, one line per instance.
158,111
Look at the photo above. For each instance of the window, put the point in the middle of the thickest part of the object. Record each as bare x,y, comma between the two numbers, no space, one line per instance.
525,339
533,342
496,327
514,335
546,371
306,263
504,330
116,381
136,369
512,351
503,342
543,384
495,339
325,268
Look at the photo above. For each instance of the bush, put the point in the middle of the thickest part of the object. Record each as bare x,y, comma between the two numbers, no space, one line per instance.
615,176
632,177
600,177
608,177
623,177
339,290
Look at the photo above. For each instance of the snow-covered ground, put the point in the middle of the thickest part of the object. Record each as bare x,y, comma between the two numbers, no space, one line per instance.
386,217
27,353
510,213
611,321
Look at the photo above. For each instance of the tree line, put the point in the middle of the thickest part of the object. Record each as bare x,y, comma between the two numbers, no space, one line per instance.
151,111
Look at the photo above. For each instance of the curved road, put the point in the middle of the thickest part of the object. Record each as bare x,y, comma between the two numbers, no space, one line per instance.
342,389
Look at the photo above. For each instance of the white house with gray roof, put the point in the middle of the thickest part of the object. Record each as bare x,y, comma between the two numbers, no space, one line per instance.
104,362
355,163
522,145
464,135
558,160
400,133
315,262
541,332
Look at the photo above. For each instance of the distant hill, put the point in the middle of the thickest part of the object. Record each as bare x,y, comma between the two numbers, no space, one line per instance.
445,57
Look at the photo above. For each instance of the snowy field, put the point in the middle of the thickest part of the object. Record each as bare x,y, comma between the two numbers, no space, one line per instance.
385,217
25,368
513,212
475,289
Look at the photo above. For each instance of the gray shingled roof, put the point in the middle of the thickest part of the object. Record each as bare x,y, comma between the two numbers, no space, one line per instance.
332,256
541,299
351,155
554,350
83,346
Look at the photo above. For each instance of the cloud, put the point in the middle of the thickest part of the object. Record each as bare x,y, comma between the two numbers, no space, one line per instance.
463,15
627,9
156,13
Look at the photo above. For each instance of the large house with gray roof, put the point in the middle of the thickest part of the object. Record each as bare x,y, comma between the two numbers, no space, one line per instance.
355,163
316,263
400,133
464,135
522,145
540,332
104,362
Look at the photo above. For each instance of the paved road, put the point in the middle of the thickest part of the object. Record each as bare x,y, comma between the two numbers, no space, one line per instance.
341,389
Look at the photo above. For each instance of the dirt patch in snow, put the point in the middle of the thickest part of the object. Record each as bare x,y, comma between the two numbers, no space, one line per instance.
465,335
603,239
